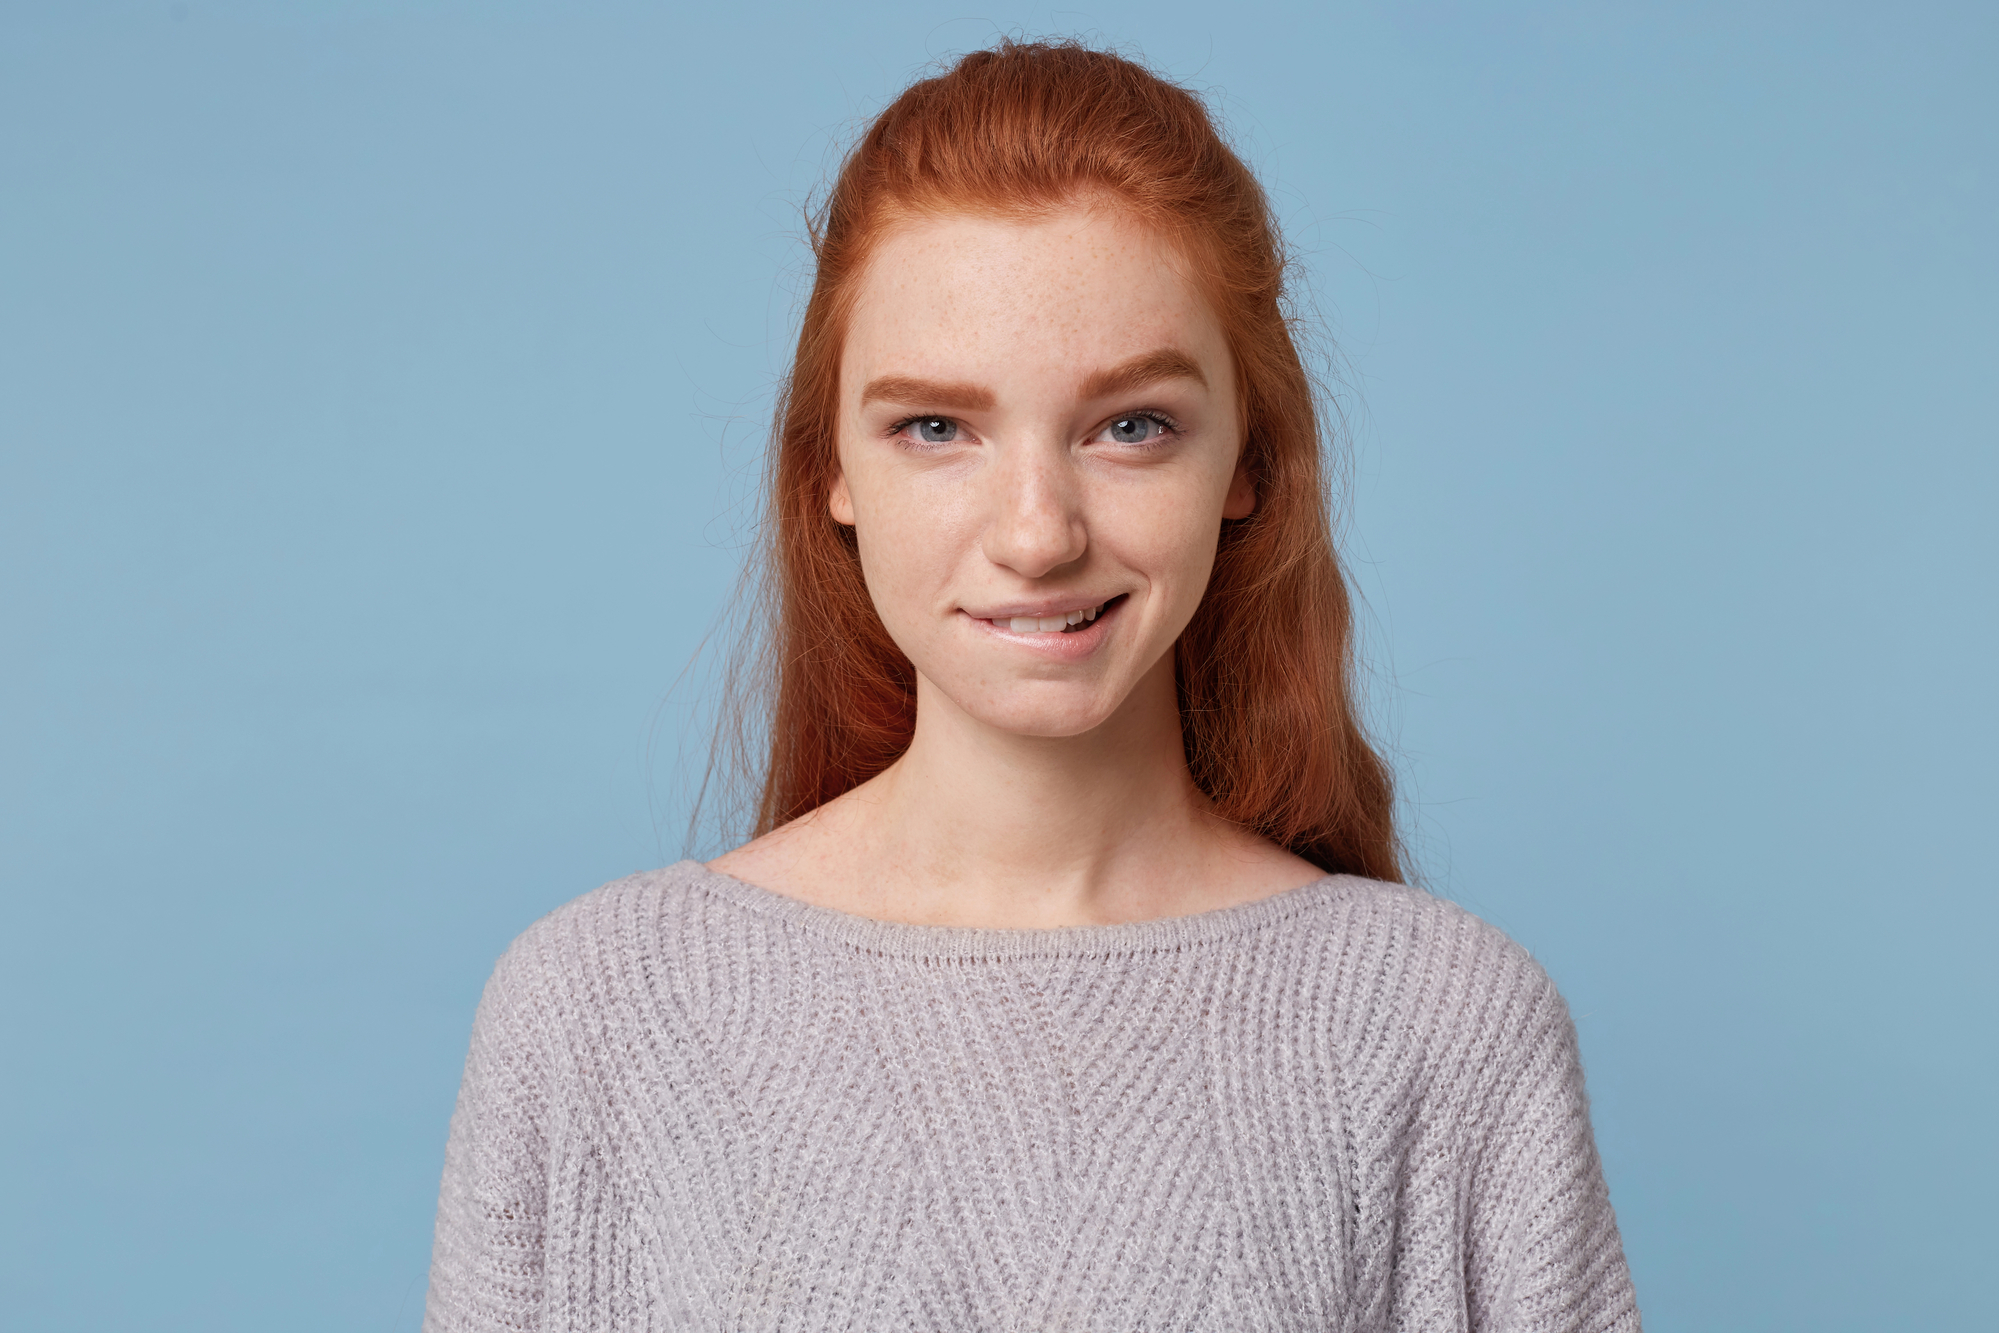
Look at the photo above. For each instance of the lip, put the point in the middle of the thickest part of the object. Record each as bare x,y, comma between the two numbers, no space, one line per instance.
1057,645
1008,610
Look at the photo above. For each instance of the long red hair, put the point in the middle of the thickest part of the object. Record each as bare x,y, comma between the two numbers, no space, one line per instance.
1265,670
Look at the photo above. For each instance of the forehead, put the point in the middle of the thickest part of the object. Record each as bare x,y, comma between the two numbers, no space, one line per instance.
977,295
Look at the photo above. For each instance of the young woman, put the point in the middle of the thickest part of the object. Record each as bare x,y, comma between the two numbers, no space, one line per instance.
1070,984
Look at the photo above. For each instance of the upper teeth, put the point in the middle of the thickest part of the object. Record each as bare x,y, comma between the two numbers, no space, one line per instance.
1049,624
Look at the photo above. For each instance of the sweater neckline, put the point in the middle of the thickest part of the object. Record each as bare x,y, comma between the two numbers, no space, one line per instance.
910,940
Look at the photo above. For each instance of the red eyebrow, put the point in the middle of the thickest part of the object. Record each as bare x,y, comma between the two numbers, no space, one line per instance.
927,393
1167,363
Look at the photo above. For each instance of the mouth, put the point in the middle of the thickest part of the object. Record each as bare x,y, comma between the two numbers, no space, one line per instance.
1067,622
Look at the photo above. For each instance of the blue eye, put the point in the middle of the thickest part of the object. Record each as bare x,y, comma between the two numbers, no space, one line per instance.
934,430
1135,429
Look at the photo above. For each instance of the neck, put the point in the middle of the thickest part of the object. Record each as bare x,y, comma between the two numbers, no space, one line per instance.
975,826
980,811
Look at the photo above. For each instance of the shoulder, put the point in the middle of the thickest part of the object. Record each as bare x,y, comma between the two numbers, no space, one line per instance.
1412,968
1379,918
1478,1188
592,943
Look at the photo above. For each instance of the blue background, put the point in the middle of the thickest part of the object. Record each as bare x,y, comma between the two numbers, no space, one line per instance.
381,392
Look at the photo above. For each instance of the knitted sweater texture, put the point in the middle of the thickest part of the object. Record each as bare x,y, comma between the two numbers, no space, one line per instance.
692,1103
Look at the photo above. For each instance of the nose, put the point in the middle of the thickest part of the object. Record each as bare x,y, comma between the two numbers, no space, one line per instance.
1035,520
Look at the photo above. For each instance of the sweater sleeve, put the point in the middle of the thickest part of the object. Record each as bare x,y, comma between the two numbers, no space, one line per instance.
1543,1251
486,1259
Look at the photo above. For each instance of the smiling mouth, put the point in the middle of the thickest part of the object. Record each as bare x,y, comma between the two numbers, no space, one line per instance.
1063,624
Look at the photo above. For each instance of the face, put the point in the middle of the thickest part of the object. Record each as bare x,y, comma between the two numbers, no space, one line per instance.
1039,440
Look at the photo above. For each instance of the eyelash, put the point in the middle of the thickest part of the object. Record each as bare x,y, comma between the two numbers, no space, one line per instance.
904,424
1168,425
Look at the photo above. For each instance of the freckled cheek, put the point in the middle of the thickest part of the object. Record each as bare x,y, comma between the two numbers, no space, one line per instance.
1169,536
911,555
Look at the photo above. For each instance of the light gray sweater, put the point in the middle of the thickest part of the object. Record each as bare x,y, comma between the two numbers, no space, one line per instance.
692,1103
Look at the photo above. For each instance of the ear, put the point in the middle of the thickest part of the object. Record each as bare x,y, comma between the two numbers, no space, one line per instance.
840,501
1241,501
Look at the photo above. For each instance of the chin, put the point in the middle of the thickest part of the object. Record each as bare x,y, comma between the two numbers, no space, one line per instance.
1044,717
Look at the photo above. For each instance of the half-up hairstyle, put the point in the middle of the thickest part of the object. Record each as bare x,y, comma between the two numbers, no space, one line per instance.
1265,669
